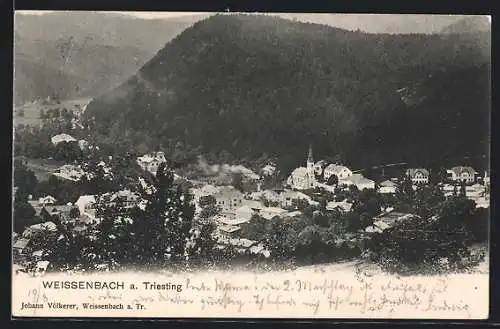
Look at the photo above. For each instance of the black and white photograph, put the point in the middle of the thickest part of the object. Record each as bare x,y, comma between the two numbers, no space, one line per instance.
241,165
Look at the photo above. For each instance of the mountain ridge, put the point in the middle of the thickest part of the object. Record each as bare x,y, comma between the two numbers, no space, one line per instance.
252,84
105,50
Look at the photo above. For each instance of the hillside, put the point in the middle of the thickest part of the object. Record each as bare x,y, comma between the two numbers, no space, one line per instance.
80,54
249,84
470,24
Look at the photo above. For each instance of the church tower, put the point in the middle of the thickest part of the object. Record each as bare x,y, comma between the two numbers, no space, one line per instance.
310,162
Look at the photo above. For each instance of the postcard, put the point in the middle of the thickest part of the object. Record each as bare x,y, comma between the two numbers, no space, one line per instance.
251,165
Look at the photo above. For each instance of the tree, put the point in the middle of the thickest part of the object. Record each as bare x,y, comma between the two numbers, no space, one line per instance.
160,233
404,191
67,151
74,213
255,229
462,192
209,211
25,180
333,180
319,176
299,204
237,181
321,219
282,239
428,199
24,215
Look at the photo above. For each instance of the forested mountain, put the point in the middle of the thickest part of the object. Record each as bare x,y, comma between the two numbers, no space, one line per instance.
77,54
245,85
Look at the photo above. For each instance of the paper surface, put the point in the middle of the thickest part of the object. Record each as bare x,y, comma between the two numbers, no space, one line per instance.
318,292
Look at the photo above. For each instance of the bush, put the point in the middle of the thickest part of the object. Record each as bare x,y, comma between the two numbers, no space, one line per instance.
419,245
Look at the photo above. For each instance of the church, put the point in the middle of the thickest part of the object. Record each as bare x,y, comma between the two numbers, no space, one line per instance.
304,178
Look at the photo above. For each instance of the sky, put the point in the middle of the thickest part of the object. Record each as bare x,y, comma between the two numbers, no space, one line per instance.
156,15
375,23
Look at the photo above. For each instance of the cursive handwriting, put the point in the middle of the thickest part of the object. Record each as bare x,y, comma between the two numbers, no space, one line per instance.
290,295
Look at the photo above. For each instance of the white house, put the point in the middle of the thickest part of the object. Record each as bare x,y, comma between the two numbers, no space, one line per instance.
86,205
342,172
20,245
343,206
127,197
151,161
46,200
387,187
46,226
268,170
62,138
418,175
228,198
358,180
271,212
461,173
286,197
69,172
83,144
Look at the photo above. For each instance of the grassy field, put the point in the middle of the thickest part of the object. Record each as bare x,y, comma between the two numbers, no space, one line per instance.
43,168
32,110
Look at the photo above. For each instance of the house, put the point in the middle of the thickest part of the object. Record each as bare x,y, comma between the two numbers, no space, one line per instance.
303,178
268,170
418,175
387,220
83,144
286,197
41,267
62,138
86,205
387,187
247,246
486,179
69,172
253,204
461,174
231,219
203,191
342,206
80,229
127,197
245,212
268,195
46,200
359,181
271,212
228,198
342,172
226,232
151,161
20,245
37,228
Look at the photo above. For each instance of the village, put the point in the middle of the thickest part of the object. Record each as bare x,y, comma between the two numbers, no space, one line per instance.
317,185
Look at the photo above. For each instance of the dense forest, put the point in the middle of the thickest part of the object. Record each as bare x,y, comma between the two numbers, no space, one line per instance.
245,85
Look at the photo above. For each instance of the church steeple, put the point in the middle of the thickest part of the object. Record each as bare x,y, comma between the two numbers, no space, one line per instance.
310,154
